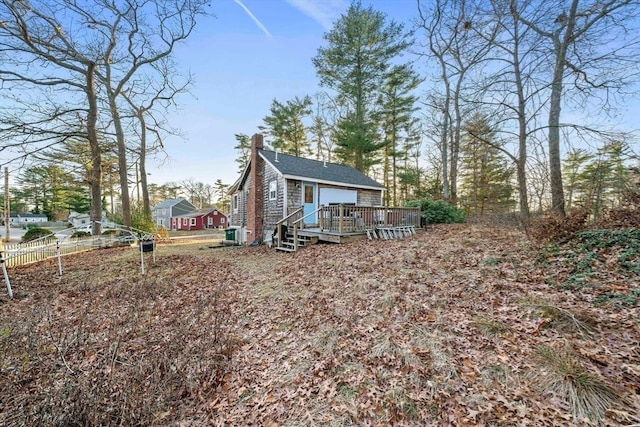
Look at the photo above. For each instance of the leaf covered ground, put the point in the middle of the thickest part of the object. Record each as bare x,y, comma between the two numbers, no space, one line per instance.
458,325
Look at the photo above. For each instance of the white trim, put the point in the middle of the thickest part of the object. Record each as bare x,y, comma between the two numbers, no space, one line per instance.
340,184
273,183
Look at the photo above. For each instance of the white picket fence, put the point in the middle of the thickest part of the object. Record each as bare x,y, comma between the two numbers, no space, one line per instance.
15,254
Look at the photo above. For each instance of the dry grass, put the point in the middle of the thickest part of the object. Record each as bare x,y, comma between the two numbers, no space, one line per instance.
585,391
489,325
560,318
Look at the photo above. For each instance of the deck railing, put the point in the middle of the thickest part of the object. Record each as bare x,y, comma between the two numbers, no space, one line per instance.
357,219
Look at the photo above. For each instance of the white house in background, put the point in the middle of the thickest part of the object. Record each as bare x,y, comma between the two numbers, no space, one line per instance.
77,219
29,218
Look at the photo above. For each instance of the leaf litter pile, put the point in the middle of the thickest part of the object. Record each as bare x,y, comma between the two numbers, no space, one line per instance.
458,325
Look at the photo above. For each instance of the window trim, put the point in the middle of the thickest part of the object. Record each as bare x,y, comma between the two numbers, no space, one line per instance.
273,190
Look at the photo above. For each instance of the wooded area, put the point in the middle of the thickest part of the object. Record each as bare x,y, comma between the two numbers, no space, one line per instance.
493,106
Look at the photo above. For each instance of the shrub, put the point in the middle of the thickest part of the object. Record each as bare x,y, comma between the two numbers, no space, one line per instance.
34,233
438,211
142,222
557,228
162,233
625,215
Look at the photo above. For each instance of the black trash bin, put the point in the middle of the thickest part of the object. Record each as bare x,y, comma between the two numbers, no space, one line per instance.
230,234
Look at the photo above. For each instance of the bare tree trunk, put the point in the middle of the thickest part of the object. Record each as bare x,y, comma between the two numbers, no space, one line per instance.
96,154
122,159
146,206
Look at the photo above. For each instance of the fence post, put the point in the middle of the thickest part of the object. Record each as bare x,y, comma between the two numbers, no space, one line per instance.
59,258
141,257
6,275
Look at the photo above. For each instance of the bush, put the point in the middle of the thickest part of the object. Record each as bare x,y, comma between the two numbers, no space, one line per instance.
557,228
438,211
34,233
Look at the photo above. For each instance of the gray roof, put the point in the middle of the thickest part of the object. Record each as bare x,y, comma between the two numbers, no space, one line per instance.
31,215
168,203
315,170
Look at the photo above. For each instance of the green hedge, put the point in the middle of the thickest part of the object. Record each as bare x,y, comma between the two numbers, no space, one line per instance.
438,211
34,233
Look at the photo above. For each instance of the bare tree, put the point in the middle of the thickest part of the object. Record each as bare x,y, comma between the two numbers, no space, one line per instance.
148,104
104,47
35,40
139,35
459,38
591,41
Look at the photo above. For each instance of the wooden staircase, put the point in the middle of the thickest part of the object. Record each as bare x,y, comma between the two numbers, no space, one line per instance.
288,242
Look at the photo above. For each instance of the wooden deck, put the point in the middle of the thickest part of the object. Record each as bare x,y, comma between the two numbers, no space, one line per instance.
332,236
343,224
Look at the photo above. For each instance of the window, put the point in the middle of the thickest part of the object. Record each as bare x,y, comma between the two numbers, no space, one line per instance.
235,203
193,221
273,190
185,221
210,221
222,220
308,193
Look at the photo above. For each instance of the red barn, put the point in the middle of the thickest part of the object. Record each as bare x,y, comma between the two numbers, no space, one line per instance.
200,219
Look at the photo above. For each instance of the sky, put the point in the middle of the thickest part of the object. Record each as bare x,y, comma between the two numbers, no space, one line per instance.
249,53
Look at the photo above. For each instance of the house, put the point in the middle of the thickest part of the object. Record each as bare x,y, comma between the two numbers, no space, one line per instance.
273,185
30,218
78,219
164,211
200,219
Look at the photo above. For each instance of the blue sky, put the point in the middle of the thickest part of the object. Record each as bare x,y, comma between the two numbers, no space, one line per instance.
251,52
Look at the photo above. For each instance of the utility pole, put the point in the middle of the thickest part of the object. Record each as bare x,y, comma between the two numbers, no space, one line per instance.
7,206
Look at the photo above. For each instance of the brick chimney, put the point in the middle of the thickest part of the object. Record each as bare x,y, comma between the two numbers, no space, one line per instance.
255,200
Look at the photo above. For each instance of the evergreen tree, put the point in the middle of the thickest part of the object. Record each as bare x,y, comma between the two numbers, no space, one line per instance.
286,126
243,147
604,179
572,174
399,104
485,174
221,191
355,64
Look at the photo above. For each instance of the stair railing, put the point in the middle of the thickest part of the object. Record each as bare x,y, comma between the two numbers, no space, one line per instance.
299,223
280,234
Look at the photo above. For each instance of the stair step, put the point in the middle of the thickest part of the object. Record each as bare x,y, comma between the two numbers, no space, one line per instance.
283,249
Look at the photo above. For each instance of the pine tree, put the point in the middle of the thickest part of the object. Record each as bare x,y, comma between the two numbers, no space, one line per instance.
485,174
356,64
286,126
399,105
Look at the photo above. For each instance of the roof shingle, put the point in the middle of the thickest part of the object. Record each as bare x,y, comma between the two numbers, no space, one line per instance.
315,170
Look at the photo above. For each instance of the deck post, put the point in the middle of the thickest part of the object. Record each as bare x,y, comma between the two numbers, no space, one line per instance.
340,218
295,237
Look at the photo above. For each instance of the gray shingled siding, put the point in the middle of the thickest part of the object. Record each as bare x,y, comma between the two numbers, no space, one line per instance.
369,198
273,209
294,195
238,218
